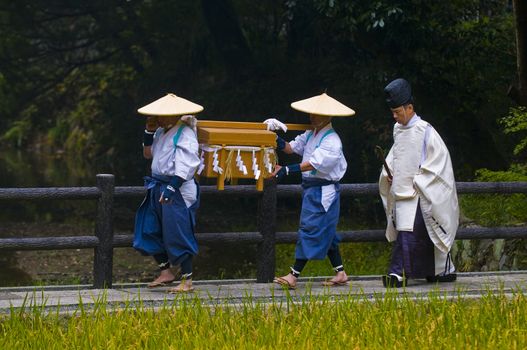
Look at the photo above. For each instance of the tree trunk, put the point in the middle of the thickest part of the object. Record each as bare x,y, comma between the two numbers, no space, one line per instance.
520,18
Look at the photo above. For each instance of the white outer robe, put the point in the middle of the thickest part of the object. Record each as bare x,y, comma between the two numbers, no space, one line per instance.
181,160
434,186
324,153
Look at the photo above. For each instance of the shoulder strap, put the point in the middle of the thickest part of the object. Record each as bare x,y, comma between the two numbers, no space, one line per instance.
309,136
328,132
178,134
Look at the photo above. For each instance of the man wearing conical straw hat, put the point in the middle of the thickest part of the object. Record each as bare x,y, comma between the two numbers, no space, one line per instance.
164,225
322,166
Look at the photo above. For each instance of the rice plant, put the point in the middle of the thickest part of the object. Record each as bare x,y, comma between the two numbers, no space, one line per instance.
388,321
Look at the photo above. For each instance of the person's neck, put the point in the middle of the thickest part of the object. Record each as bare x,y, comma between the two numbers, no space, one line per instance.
170,126
320,127
410,119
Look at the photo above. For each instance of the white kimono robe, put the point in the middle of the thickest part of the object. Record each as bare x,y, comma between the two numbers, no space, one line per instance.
428,178
182,161
324,152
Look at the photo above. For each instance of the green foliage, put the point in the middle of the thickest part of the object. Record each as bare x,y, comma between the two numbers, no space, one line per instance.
516,122
388,321
18,132
497,210
74,74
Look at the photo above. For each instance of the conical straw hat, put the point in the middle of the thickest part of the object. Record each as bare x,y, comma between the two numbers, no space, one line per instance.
323,105
170,105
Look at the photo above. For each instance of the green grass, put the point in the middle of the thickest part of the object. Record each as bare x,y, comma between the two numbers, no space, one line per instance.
392,322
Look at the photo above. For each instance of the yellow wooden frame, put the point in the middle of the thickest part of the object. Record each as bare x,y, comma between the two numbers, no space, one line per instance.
247,125
227,133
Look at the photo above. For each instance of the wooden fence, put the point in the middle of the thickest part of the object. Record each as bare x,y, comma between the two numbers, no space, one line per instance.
104,239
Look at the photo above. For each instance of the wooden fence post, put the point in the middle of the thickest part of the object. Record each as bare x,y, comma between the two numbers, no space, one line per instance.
265,267
103,255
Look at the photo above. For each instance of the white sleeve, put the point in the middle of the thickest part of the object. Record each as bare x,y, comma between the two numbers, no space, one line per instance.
437,187
327,156
186,156
298,144
384,185
436,157
157,135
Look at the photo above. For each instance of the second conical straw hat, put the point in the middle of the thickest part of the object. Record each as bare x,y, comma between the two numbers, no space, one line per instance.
323,105
170,105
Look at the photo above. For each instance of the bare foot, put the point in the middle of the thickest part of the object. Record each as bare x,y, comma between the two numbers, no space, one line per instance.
288,280
165,277
340,279
184,286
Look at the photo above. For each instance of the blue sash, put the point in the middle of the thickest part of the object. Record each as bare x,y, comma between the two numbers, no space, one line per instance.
308,182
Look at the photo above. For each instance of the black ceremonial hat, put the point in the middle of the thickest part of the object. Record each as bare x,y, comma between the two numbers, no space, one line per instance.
398,93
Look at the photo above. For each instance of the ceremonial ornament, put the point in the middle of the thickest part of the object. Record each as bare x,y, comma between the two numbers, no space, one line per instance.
237,150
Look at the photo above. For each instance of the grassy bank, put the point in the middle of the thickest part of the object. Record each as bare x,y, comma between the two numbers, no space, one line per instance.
493,322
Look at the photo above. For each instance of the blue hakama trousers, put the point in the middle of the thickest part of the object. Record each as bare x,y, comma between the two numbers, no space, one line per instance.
413,252
165,228
318,228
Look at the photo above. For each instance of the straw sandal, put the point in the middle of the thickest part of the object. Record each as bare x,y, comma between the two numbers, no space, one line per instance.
284,283
155,284
332,283
180,289
183,286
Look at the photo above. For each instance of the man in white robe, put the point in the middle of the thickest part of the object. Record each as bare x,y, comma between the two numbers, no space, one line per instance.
419,196
165,221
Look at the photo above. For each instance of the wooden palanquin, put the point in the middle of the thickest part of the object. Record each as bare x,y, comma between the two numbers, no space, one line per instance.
237,150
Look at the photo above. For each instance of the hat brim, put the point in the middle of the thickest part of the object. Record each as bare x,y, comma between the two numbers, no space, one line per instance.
170,105
323,105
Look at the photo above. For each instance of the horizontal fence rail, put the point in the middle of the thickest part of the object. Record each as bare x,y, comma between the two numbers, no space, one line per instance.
48,243
246,190
104,239
50,193
345,189
125,240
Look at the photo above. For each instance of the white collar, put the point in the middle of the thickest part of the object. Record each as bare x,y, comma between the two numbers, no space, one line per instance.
411,122
327,127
